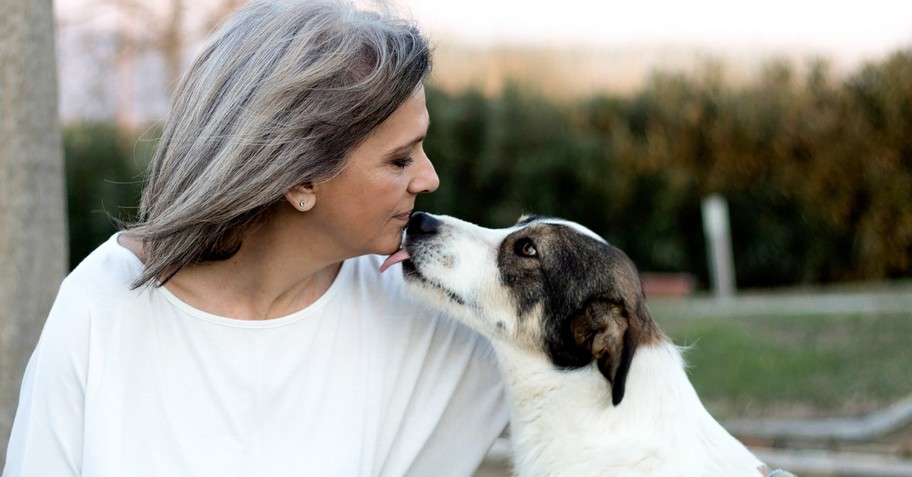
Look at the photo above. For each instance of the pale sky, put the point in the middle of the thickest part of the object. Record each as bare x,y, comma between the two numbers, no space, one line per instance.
855,28
835,27
660,33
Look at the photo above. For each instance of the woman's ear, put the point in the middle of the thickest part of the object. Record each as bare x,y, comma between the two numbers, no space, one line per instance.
301,197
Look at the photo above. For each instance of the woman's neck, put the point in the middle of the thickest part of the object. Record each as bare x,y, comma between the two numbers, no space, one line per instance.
251,292
275,273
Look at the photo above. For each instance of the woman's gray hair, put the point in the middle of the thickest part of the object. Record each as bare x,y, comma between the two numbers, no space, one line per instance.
277,98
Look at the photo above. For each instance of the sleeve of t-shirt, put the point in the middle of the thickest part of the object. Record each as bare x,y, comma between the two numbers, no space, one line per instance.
475,415
461,384
47,434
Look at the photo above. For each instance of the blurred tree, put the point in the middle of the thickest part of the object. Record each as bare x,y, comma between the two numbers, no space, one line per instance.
104,179
508,155
163,28
880,103
33,240
816,168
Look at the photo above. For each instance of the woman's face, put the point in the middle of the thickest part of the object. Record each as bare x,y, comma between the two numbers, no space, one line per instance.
364,209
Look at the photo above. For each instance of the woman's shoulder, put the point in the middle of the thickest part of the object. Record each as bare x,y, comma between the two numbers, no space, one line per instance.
100,283
389,300
365,270
361,277
110,268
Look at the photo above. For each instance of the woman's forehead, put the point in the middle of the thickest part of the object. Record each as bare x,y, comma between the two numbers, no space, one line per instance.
404,128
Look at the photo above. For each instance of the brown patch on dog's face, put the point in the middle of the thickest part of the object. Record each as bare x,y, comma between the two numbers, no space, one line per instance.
589,295
521,261
545,285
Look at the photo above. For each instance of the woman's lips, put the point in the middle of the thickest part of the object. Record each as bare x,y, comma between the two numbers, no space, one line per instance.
401,254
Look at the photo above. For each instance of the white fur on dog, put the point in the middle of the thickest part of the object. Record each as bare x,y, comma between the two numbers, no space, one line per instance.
563,420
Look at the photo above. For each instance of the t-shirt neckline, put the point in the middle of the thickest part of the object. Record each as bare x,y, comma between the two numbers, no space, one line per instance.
194,312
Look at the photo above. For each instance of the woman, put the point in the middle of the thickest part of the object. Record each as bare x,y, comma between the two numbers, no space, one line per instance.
242,327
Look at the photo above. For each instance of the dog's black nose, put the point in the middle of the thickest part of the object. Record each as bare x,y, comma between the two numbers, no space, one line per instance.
422,224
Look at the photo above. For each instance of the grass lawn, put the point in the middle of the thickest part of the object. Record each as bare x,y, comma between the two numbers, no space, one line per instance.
787,365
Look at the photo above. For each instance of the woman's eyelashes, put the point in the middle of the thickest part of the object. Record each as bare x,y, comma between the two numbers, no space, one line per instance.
403,162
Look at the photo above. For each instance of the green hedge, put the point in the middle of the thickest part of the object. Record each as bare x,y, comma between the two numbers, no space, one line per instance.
103,181
817,170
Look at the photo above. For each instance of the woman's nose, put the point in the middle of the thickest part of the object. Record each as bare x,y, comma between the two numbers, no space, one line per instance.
425,179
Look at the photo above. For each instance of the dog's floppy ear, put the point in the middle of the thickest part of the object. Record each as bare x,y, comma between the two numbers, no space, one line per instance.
604,327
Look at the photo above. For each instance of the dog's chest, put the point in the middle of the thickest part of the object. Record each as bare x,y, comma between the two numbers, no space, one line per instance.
564,422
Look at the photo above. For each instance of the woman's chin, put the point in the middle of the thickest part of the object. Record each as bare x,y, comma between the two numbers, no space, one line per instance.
389,245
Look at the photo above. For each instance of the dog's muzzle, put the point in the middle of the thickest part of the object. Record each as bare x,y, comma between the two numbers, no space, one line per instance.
421,228
421,225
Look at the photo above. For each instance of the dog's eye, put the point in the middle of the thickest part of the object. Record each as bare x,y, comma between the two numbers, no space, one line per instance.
525,248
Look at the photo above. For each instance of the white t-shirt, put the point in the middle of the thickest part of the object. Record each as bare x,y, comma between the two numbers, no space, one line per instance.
364,382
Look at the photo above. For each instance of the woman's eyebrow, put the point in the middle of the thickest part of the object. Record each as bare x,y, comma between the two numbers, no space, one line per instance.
407,146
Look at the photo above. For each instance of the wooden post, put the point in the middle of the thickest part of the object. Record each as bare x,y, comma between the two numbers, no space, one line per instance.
718,244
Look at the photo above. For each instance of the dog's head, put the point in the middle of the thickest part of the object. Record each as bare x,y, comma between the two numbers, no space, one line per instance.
545,285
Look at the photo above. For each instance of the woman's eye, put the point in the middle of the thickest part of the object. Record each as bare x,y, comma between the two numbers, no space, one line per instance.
526,248
403,163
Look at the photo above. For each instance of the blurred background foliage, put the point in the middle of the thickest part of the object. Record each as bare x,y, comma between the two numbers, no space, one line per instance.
104,167
817,168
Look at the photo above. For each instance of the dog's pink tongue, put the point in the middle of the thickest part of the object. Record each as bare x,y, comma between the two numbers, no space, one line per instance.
393,259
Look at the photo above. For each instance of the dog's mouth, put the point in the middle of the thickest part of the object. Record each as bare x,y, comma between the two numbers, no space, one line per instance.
411,272
413,251
399,256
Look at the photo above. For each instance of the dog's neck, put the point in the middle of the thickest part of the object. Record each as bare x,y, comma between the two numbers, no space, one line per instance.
659,424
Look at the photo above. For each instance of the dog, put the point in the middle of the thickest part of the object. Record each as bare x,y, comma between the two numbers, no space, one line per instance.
596,388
